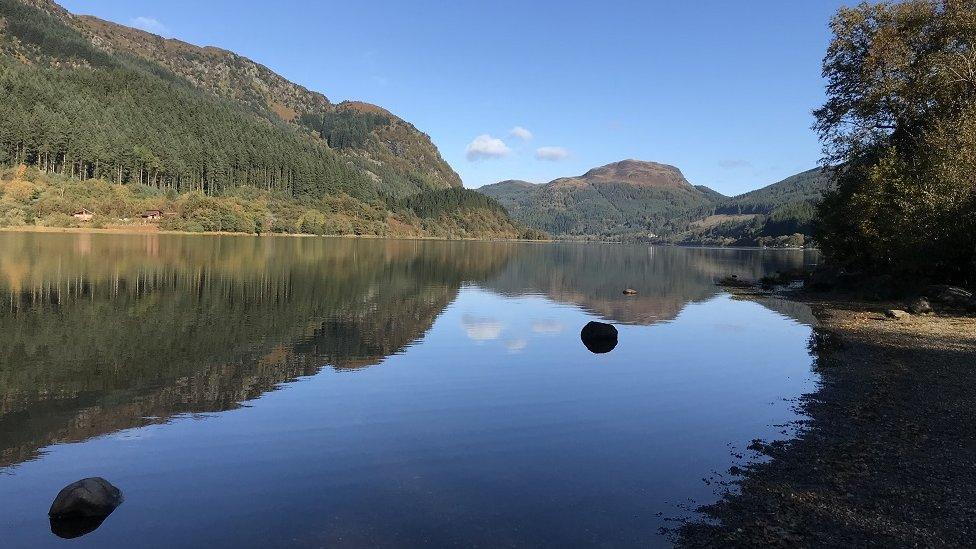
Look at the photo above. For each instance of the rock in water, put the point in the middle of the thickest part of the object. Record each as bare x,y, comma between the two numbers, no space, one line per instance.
599,337
630,291
920,306
86,498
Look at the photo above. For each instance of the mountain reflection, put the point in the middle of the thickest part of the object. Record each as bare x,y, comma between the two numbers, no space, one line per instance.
100,333
593,276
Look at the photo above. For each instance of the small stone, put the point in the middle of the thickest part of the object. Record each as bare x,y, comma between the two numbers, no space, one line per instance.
89,497
630,291
896,314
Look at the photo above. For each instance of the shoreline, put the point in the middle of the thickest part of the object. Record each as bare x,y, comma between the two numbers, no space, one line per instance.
887,454
155,230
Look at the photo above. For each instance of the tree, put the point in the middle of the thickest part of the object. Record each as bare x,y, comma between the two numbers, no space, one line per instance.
900,120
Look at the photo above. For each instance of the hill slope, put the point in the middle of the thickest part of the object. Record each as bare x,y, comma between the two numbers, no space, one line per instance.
86,99
624,199
385,148
805,186
772,215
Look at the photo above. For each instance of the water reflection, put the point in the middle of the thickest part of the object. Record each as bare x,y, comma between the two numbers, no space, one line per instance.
103,333
99,332
75,527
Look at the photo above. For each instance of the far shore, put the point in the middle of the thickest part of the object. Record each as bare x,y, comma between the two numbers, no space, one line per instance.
154,229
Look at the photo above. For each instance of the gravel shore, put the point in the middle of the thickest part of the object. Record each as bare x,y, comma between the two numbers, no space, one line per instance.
888,455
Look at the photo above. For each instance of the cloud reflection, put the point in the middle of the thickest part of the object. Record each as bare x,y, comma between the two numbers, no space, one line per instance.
516,345
548,327
481,329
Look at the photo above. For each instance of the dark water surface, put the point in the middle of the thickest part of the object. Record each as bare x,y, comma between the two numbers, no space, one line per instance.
255,392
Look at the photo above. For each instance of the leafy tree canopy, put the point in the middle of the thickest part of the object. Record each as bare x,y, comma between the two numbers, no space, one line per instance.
900,117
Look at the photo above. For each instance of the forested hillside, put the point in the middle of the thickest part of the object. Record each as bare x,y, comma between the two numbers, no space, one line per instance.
781,214
804,187
84,100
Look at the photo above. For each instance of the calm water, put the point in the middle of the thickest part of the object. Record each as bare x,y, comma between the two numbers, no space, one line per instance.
254,392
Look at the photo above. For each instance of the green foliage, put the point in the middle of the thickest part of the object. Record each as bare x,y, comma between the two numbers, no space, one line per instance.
344,129
711,195
131,127
431,204
803,188
48,35
29,196
901,117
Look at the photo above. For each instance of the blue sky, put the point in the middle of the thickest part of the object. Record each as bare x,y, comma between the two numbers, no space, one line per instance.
723,90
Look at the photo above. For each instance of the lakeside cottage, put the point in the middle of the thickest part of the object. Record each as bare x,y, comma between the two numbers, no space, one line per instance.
83,214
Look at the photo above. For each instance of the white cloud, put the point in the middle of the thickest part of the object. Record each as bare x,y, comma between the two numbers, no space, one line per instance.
548,327
552,154
150,24
734,163
481,329
486,146
521,133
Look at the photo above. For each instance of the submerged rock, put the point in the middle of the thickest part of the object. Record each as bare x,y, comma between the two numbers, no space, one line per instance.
599,337
87,498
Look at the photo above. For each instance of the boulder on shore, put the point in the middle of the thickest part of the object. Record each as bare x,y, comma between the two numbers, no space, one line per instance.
599,337
920,306
897,314
949,295
86,498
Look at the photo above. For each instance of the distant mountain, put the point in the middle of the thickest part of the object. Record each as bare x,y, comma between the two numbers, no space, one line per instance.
772,215
627,199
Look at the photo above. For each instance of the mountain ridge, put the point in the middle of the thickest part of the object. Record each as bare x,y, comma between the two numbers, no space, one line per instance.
674,211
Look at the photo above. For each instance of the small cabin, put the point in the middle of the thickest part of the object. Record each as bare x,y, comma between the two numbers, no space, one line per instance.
83,214
152,215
